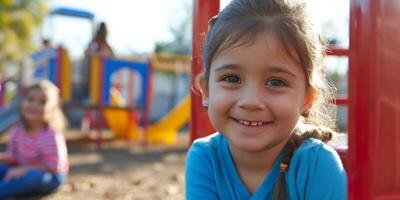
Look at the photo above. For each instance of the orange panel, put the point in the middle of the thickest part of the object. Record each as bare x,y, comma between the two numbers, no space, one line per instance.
95,73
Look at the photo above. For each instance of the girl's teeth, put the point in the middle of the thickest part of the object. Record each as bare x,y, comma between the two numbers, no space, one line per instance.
250,123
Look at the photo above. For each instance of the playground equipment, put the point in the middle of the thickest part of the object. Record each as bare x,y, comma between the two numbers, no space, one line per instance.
55,65
108,100
126,115
171,63
123,118
166,129
9,116
83,23
373,99
4,97
9,113
123,123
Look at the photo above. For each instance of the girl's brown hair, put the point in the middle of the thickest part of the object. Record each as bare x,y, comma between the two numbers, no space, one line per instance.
241,21
55,119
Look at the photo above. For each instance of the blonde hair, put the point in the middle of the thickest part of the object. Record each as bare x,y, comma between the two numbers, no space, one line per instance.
55,118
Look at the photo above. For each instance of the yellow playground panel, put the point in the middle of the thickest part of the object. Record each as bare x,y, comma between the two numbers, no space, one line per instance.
66,71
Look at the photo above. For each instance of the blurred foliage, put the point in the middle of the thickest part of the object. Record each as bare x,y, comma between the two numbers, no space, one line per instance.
180,44
182,34
19,20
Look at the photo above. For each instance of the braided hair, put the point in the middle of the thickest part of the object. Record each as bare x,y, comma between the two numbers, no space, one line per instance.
309,131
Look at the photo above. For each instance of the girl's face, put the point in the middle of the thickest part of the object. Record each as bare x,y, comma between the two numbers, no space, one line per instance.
33,107
256,94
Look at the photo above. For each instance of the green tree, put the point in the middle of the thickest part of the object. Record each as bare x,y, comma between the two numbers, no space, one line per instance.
19,20
180,44
182,34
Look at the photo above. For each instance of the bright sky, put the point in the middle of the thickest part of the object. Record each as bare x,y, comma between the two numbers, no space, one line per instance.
136,25
133,25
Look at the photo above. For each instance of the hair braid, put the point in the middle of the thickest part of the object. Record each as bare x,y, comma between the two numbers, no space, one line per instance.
303,132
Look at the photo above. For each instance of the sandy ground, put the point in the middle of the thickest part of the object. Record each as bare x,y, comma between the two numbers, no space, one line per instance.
123,170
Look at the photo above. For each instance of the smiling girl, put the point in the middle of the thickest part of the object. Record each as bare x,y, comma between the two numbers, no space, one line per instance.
266,96
36,160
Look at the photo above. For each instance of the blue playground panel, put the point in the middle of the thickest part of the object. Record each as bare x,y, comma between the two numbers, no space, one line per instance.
73,13
45,63
113,65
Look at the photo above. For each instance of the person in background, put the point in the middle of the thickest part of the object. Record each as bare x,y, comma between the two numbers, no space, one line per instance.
97,47
46,44
99,44
36,159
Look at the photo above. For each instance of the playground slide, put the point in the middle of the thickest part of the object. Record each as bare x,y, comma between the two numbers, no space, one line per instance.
164,131
118,120
9,116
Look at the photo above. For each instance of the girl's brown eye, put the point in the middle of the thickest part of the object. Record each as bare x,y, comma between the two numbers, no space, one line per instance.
276,83
42,102
231,79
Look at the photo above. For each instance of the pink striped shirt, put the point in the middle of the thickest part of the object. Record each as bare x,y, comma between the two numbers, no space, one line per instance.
44,147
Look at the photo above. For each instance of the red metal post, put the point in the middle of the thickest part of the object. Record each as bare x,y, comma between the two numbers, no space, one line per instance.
147,106
337,52
360,108
374,100
131,92
203,11
341,100
2,92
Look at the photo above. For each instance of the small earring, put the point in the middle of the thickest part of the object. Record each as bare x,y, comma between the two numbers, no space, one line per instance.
305,113
205,106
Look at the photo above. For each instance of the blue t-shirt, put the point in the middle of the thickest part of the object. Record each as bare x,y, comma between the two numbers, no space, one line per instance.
315,173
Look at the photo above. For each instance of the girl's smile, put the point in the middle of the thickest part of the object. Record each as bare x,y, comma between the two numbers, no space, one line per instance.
250,123
252,127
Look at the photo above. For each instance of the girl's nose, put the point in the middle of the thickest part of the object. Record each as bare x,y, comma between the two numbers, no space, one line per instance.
252,98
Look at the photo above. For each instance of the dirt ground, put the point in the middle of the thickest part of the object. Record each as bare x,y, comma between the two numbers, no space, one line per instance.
119,169
122,170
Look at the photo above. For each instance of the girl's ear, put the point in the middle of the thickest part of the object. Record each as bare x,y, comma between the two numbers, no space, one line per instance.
309,99
202,86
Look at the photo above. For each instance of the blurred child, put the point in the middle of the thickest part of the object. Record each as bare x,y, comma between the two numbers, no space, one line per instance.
36,160
99,46
267,98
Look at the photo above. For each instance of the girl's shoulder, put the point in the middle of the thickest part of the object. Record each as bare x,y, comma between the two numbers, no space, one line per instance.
18,128
313,165
312,144
315,150
210,147
210,142
50,132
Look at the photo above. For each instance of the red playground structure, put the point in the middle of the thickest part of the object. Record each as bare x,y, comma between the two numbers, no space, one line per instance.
373,155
